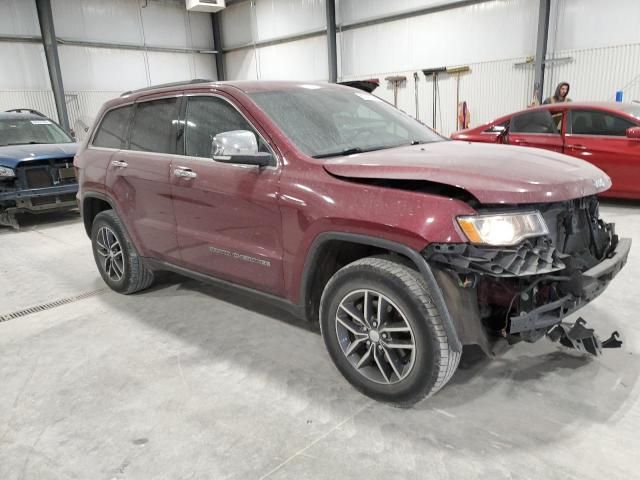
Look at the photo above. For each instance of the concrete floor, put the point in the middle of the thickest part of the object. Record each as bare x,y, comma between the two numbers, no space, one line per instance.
187,381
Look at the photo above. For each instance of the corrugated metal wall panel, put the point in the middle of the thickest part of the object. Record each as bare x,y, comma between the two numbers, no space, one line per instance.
19,18
300,64
582,24
41,100
596,74
82,106
23,67
236,25
491,89
474,33
279,18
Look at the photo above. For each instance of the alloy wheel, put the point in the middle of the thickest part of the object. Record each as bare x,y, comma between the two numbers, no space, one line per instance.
111,255
375,336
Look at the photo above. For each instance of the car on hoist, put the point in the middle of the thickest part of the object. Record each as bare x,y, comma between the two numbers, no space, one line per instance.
36,166
325,199
606,134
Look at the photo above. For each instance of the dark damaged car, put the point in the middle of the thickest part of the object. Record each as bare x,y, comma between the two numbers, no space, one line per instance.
403,245
36,166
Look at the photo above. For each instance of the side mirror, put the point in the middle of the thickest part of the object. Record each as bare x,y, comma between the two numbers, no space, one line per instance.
239,146
633,132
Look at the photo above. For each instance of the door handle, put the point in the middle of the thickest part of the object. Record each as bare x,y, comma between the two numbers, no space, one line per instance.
184,172
119,164
578,147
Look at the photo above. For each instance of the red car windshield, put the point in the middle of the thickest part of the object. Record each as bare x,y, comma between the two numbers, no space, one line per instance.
31,130
329,121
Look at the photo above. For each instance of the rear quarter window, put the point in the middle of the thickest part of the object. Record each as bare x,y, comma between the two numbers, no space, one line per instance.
112,131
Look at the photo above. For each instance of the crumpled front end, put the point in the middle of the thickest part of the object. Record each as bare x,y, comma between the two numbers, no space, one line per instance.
37,186
524,291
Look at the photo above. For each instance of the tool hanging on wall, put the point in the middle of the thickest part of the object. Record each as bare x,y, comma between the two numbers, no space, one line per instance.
396,82
415,87
464,116
457,71
434,72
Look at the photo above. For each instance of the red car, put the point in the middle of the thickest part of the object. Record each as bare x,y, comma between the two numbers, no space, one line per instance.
405,246
605,134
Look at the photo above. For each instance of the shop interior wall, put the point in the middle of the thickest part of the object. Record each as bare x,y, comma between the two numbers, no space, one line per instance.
93,75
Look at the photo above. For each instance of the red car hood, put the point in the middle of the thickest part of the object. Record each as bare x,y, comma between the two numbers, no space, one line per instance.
491,173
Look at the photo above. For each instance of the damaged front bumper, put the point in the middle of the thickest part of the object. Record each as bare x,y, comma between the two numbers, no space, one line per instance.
591,284
519,293
36,200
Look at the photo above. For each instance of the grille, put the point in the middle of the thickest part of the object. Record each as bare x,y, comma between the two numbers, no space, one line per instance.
38,178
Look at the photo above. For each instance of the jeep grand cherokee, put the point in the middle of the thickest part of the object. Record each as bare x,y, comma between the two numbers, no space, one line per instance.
405,246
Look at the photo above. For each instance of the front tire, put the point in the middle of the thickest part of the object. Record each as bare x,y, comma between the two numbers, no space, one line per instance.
118,262
384,333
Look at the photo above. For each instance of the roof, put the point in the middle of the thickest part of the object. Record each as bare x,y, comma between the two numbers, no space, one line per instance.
19,116
246,86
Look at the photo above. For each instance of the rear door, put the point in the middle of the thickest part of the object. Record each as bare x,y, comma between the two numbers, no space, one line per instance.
138,177
228,218
599,137
535,128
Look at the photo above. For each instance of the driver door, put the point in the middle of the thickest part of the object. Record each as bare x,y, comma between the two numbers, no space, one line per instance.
228,219
535,128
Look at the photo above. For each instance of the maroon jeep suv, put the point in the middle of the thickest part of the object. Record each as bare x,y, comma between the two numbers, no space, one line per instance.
405,246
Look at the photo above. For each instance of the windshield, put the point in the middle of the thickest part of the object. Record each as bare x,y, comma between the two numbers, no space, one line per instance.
32,130
329,121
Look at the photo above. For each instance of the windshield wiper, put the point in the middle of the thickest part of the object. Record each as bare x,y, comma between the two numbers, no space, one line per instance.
346,151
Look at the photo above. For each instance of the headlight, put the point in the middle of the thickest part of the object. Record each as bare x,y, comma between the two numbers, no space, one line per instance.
6,172
502,229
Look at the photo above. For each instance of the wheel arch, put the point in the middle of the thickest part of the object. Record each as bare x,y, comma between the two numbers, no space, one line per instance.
92,204
317,271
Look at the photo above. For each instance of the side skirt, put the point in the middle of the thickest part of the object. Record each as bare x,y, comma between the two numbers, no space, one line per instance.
159,265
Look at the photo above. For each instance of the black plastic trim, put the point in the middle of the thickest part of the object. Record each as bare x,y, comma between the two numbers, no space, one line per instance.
155,264
413,255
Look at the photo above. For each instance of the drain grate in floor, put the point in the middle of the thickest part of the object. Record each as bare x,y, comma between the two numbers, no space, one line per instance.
48,306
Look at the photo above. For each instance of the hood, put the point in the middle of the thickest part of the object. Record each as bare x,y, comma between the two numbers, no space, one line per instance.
493,174
12,155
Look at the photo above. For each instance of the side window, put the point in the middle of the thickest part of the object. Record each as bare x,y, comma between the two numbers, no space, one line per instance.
557,119
112,132
207,117
154,126
594,122
538,121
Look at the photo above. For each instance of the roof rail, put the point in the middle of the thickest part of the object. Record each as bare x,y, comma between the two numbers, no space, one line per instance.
26,110
165,85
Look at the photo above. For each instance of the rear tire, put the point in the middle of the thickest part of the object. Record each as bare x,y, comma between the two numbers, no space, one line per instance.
401,352
118,262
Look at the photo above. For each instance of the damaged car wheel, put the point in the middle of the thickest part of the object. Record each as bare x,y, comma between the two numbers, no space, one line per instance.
384,333
119,264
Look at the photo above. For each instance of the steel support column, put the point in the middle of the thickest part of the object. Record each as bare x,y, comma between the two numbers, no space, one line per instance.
45,17
541,49
217,44
331,40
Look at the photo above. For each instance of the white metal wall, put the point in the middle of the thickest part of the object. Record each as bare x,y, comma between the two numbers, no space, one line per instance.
264,20
93,75
602,39
476,33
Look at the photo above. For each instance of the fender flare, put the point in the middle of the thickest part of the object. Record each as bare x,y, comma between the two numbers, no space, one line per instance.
99,196
413,255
